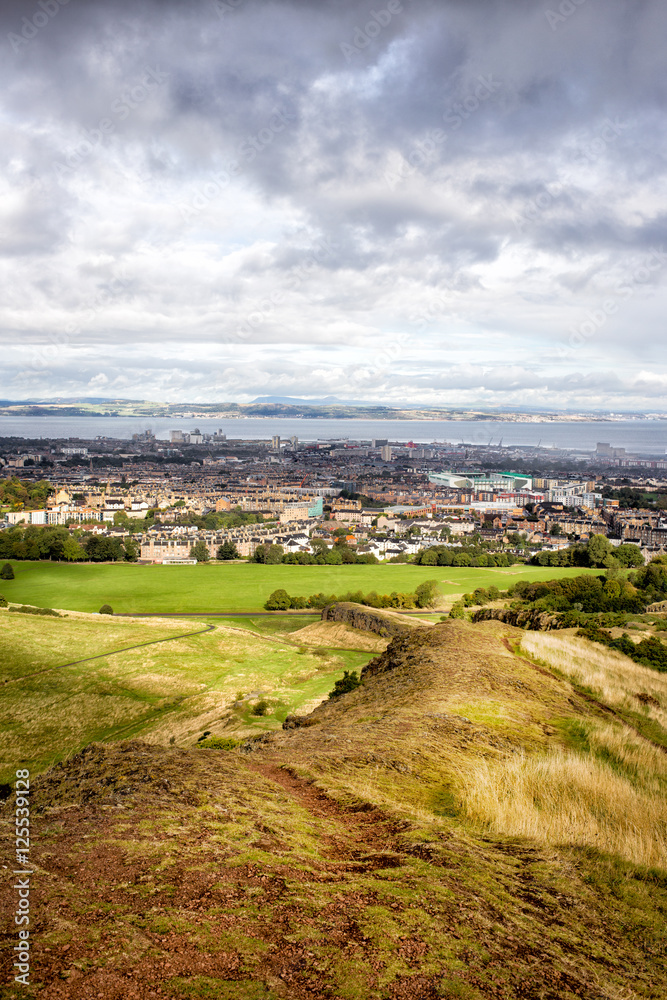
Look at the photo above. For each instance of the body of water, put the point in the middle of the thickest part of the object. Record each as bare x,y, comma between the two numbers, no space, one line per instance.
641,436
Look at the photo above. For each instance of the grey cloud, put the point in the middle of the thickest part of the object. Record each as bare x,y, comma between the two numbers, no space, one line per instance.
512,198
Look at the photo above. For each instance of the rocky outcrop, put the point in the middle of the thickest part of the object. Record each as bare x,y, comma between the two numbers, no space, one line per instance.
527,618
410,649
298,722
366,619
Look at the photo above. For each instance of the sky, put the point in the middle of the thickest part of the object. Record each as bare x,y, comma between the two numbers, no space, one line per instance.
453,203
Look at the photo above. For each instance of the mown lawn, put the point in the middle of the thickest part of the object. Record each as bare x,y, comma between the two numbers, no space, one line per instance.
212,587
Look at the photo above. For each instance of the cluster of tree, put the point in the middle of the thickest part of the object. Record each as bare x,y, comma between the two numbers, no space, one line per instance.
579,593
101,548
20,494
635,499
226,551
651,580
597,552
473,555
649,652
424,596
322,556
55,543
482,596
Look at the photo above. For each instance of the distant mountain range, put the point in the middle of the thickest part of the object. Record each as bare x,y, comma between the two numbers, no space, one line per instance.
327,407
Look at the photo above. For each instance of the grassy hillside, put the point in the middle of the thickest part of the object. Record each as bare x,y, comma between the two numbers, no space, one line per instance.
234,586
371,854
178,688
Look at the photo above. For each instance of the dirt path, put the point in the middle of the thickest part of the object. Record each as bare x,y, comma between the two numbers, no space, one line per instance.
365,836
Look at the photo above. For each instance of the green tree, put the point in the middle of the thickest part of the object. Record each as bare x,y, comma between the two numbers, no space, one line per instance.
72,551
426,594
7,573
629,555
279,600
598,548
131,550
227,551
199,551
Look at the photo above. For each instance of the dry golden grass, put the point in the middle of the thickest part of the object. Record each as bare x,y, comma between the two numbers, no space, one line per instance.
340,635
615,679
567,798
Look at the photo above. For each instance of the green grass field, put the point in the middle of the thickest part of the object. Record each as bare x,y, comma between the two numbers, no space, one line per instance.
179,688
132,588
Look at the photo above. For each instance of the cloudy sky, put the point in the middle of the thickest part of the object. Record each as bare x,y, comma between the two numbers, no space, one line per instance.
439,202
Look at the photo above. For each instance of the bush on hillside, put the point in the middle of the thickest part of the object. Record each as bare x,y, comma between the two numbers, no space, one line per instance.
106,609
348,682
7,573
219,743
4,603
26,609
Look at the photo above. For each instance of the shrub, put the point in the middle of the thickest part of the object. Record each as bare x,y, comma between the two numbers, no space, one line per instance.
279,600
457,610
219,743
26,609
3,602
348,682
7,573
426,594
106,609
261,708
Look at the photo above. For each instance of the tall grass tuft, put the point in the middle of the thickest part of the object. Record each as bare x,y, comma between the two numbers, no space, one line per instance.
567,798
615,679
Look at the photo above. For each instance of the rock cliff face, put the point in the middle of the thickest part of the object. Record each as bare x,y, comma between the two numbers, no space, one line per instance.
368,619
533,621
407,650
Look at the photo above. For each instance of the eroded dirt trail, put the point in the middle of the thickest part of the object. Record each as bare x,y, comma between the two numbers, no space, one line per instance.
362,835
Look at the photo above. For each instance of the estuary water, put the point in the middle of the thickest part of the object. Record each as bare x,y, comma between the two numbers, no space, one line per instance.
636,436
